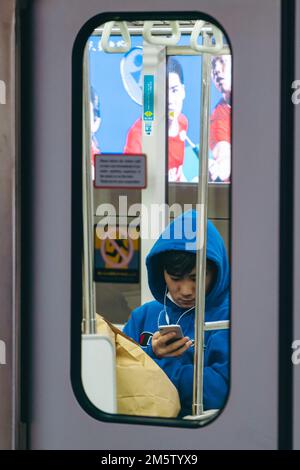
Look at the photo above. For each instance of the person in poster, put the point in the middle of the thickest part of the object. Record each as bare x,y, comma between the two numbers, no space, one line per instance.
178,124
95,119
220,122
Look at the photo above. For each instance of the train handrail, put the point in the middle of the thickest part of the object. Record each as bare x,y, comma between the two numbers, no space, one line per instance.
162,40
116,49
202,48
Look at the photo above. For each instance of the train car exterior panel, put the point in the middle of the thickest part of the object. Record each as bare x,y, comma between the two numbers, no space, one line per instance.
249,420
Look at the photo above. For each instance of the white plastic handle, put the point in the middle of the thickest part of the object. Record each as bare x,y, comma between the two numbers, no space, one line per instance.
206,49
162,40
106,37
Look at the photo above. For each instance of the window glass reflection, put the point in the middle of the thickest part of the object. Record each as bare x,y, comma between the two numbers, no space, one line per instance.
155,254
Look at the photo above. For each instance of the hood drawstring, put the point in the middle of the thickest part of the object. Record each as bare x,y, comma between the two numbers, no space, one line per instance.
166,313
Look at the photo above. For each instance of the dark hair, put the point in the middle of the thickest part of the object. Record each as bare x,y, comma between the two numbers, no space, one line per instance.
178,263
173,66
216,59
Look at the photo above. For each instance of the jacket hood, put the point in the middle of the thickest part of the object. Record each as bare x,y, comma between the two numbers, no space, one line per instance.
181,235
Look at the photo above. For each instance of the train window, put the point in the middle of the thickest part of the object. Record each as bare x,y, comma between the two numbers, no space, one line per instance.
156,178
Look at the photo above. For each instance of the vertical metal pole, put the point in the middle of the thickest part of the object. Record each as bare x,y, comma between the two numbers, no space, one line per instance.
201,232
89,322
154,146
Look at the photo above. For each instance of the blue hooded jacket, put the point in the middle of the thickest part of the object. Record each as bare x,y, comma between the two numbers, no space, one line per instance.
145,320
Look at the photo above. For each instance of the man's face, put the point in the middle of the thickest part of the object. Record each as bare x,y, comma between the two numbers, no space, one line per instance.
221,74
176,96
183,289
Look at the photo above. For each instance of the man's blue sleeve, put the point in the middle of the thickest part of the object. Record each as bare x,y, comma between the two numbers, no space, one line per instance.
132,327
215,375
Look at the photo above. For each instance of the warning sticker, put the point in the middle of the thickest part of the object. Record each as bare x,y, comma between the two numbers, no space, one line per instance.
120,171
116,258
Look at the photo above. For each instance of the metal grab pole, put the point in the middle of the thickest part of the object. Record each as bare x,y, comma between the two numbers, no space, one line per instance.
201,234
153,144
89,321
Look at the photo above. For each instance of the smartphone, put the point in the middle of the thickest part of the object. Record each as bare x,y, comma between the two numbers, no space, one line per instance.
164,329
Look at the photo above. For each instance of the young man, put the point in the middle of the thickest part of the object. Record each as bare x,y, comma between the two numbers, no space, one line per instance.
177,123
172,281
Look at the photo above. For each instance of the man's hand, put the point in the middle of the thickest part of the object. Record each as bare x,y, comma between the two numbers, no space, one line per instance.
162,349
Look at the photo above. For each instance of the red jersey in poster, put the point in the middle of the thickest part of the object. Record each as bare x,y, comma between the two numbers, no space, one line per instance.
175,146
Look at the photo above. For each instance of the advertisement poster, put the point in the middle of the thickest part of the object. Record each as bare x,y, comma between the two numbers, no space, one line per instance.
117,109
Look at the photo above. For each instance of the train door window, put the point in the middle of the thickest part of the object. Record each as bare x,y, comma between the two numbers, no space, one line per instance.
155,175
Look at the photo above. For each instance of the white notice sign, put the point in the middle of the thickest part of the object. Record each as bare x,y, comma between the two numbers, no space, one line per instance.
120,171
